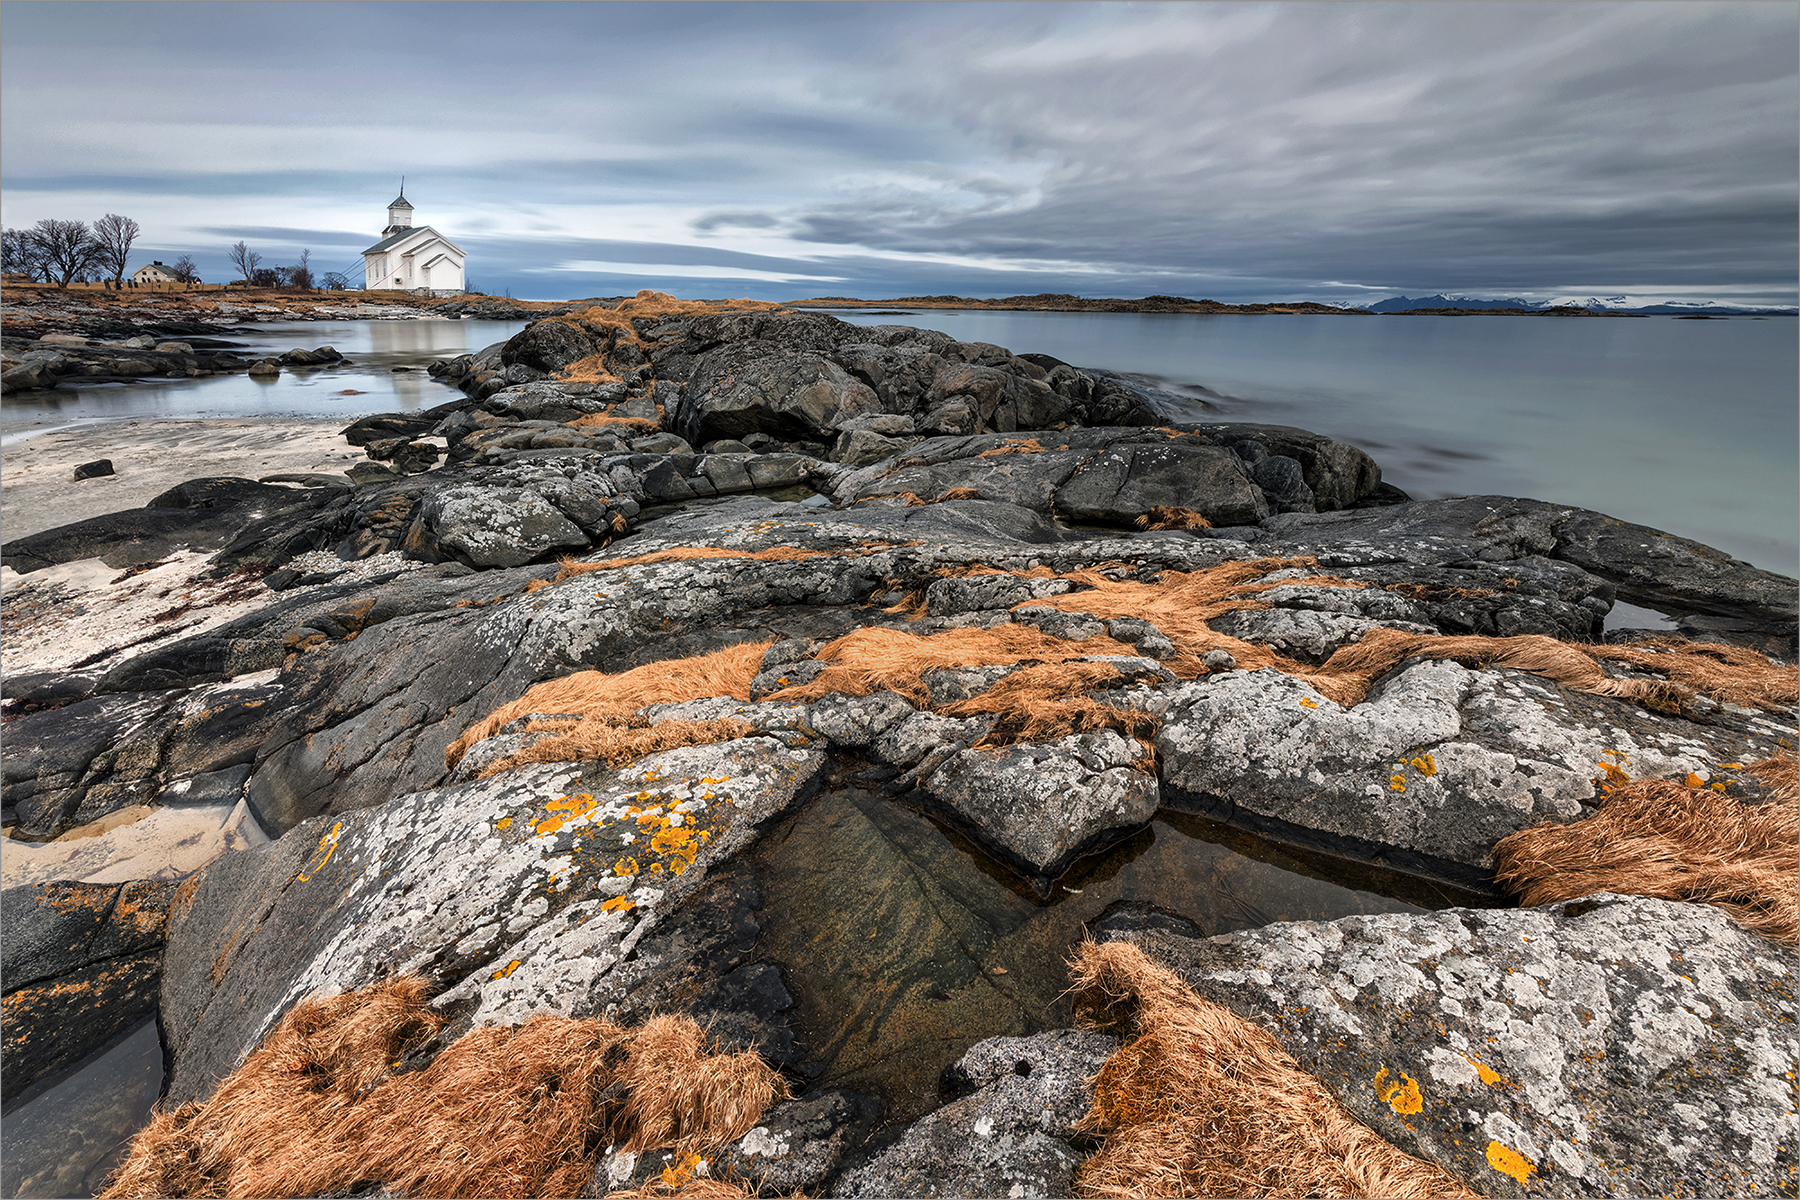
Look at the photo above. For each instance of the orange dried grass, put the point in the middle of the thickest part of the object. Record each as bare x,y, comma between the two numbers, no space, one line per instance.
1167,516
499,1112
591,369
1659,838
1202,1102
611,700
627,424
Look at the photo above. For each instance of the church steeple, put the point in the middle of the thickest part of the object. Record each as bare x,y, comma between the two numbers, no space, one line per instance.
399,213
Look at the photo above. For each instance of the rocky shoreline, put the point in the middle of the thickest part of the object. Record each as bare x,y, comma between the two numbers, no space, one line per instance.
534,702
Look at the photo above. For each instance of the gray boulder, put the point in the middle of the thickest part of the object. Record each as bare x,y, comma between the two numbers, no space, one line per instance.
748,388
1010,1137
1042,804
549,345
1608,1046
518,893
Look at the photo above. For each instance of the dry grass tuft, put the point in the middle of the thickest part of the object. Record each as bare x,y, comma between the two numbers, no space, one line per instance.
616,744
591,369
1013,446
1659,838
1202,1102
1166,516
958,493
612,700
499,1112
642,425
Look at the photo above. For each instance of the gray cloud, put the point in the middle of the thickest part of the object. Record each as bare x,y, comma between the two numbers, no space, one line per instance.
1244,151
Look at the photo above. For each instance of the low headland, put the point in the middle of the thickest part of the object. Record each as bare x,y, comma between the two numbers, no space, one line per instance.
724,750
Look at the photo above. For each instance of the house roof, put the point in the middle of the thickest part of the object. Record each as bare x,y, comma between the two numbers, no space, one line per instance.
388,243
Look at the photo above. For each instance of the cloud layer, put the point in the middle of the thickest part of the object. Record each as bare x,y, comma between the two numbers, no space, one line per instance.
1243,152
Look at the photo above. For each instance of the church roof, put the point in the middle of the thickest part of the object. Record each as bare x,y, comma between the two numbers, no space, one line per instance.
388,243
401,203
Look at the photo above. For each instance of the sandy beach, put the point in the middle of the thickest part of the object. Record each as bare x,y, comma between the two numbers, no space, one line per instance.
38,490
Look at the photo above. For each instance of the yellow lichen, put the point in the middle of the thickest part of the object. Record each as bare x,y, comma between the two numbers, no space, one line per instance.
1508,1161
1488,1075
1400,1094
321,856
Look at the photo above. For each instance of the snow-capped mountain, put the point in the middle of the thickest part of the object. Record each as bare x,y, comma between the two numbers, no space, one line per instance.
1621,303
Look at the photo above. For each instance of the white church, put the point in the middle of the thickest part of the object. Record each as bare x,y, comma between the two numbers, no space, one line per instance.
412,258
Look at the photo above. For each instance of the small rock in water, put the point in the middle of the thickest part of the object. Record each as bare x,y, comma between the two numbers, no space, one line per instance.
95,469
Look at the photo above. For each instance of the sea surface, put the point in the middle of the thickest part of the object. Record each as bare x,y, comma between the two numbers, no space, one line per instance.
1692,427
1689,426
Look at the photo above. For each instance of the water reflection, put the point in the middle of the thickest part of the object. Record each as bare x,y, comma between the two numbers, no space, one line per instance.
904,945
367,384
65,1141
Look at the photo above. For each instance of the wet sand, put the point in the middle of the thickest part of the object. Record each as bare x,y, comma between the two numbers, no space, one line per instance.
38,490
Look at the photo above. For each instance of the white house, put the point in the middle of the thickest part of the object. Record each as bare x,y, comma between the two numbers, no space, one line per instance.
155,273
412,258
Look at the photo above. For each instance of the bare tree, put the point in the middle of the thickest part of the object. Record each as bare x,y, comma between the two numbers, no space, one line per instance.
185,269
114,235
269,277
300,275
67,246
246,261
335,281
19,255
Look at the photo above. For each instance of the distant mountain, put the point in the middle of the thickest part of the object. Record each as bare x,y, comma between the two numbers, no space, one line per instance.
1621,304
1403,303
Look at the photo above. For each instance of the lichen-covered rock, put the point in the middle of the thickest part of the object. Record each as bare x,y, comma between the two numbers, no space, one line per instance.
1042,804
519,515
519,892
1434,767
1009,1138
1608,1046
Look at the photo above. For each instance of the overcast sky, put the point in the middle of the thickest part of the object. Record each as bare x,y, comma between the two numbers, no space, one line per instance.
1337,152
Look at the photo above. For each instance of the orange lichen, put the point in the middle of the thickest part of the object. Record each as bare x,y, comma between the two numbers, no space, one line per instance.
1508,1161
1400,1094
322,855
1488,1075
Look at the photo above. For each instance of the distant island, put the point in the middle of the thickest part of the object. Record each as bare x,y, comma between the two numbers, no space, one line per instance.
1450,306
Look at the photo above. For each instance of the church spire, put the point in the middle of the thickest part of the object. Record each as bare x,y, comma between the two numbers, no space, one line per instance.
399,212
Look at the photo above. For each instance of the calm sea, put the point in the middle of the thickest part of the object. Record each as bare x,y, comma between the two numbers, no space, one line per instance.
1688,426
1692,427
